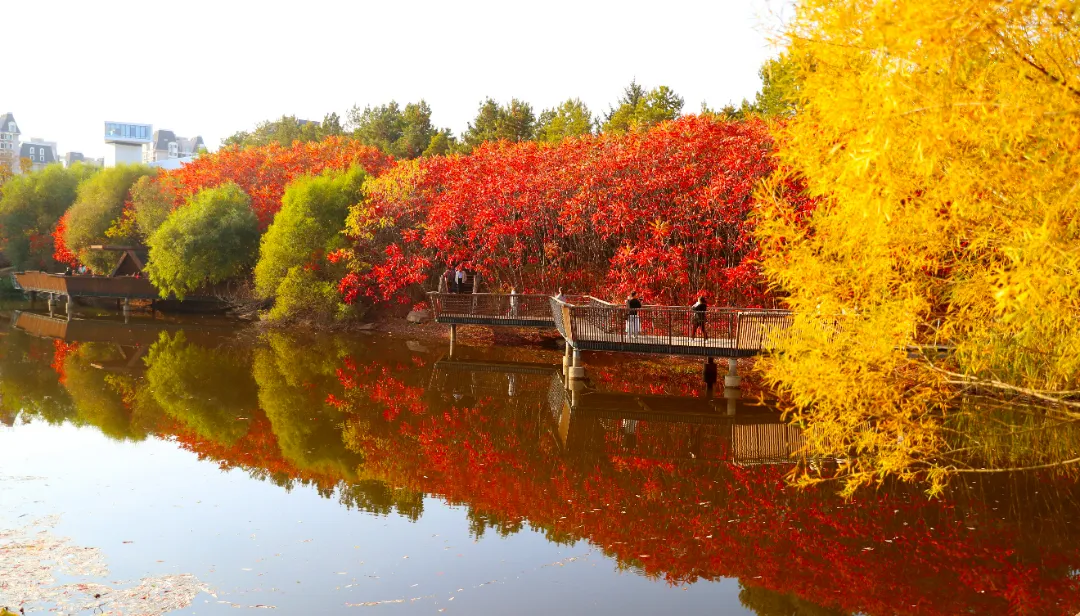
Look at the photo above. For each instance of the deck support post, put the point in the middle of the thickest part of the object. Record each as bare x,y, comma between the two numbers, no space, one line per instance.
127,309
70,307
731,394
52,304
453,337
577,371
567,361
577,387
732,378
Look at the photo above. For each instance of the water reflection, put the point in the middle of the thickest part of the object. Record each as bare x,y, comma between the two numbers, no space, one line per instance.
665,482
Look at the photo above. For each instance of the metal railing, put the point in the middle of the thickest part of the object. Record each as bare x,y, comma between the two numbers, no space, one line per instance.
492,309
594,324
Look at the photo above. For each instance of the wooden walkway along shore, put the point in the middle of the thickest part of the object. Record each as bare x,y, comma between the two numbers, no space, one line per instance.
494,309
595,325
126,282
591,324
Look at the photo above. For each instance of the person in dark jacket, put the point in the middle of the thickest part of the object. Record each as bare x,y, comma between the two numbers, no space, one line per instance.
633,321
697,320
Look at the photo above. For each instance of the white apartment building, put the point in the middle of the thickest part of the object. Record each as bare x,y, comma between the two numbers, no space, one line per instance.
166,145
9,140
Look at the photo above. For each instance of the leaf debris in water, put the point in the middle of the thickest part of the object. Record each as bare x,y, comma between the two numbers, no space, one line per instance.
32,554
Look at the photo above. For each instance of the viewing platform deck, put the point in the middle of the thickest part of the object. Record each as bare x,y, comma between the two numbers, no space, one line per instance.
591,324
595,325
493,309
107,287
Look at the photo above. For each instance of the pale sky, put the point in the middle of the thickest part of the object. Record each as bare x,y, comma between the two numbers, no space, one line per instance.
215,67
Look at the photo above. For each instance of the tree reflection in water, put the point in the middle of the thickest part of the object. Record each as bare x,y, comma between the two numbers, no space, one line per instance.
377,426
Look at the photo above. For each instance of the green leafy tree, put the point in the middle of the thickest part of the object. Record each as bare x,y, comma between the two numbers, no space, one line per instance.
780,87
292,253
98,207
512,122
380,126
779,94
7,168
441,144
570,119
212,238
638,109
417,131
30,206
285,131
152,200
401,133
330,126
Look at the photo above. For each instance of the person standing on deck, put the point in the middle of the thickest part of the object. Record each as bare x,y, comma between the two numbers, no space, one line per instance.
459,279
446,282
633,321
697,320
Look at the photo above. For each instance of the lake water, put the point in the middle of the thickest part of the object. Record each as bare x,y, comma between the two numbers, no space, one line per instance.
198,468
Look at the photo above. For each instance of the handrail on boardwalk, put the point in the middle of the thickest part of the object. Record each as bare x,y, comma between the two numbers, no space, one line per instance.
518,310
589,323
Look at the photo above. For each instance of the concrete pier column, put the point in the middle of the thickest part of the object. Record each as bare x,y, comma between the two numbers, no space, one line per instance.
577,387
732,378
127,309
567,360
731,394
52,304
70,307
453,338
577,371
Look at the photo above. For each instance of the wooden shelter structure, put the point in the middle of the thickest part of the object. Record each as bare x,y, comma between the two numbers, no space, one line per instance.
127,281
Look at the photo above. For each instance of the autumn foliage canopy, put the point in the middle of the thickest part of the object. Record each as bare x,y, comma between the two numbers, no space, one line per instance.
264,172
666,212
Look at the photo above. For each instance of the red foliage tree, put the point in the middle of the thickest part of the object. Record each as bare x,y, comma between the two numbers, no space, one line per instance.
667,212
264,172
60,250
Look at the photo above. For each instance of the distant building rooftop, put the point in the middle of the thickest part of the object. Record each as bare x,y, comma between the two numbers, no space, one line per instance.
169,164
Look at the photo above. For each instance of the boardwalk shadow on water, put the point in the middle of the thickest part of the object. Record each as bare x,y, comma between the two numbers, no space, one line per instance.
670,485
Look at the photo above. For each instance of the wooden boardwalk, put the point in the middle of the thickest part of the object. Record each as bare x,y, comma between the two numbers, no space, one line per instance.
103,287
493,309
590,324
596,325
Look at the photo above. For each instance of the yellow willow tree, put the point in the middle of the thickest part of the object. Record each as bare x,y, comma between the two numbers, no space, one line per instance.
942,141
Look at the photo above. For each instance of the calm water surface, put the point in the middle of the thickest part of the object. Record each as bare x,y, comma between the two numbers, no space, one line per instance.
199,468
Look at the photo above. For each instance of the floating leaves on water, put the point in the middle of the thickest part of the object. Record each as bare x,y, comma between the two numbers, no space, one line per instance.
31,555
